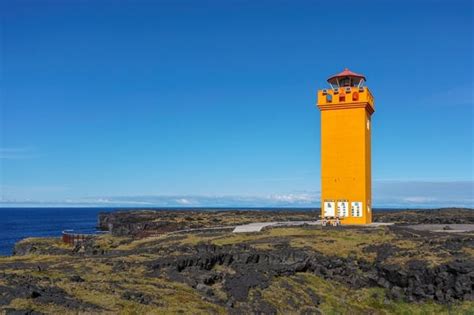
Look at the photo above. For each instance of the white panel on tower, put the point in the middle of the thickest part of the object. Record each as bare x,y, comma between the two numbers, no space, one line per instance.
329,209
356,209
343,208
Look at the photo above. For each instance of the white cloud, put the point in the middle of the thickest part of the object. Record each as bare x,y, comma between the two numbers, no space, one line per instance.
184,201
301,198
396,194
418,199
276,200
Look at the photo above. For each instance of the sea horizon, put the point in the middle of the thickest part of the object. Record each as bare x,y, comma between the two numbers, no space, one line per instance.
421,207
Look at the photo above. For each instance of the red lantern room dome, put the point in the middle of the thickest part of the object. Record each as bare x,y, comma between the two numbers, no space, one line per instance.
346,78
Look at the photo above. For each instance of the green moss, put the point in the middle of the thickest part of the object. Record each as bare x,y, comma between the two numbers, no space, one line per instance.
166,296
29,304
339,299
105,287
107,241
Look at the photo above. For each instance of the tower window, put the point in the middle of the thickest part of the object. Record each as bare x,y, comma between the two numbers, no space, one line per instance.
355,96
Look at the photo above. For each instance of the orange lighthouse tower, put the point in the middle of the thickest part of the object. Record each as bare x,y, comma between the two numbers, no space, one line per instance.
346,184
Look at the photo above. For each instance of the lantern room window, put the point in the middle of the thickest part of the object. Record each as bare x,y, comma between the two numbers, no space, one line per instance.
346,78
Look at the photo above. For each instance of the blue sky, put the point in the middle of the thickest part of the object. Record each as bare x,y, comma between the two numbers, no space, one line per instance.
212,103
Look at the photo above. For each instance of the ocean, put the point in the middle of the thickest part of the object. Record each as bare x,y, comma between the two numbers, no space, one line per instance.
19,223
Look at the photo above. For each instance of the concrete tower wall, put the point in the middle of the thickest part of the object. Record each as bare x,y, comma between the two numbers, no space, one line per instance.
346,186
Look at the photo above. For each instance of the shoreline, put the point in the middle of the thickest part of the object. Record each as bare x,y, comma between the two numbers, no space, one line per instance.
283,269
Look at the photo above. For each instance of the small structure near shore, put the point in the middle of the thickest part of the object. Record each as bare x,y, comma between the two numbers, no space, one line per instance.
72,238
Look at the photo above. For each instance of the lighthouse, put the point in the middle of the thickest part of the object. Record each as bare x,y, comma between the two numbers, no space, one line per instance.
346,181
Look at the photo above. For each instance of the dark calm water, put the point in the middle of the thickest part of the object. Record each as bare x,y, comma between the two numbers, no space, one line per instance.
19,223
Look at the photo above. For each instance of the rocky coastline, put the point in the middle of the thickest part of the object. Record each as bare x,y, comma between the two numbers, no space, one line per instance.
159,261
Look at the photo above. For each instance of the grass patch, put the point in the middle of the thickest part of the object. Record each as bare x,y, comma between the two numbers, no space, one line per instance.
468,251
166,297
143,242
29,304
338,299
108,241
339,242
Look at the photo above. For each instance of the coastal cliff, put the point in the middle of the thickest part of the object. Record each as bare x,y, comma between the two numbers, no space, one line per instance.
146,222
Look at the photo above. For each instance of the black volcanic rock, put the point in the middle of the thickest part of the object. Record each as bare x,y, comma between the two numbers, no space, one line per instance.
426,216
383,251
243,273
11,311
149,222
25,287
415,282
